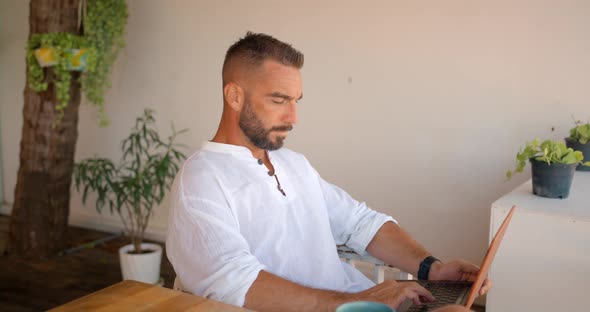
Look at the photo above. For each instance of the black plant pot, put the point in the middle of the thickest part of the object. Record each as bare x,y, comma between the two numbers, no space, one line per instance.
553,181
584,148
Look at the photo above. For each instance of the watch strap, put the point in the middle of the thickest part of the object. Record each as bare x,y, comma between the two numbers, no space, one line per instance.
424,268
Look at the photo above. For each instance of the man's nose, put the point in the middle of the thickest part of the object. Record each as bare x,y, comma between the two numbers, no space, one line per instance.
291,116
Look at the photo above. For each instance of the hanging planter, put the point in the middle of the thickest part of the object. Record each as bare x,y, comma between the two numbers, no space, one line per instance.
103,25
64,53
75,59
553,166
46,57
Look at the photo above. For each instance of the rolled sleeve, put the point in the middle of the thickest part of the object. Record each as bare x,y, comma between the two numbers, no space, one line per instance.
366,230
352,222
210,256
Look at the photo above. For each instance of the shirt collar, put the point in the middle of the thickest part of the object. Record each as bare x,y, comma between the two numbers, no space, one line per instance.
234,150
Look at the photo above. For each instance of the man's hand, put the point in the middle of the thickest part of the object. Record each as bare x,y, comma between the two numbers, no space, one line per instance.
394,294
457,270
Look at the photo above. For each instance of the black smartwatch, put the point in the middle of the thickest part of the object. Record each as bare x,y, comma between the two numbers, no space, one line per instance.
425,265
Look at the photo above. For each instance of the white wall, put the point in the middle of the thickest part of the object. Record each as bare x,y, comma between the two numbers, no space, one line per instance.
416,107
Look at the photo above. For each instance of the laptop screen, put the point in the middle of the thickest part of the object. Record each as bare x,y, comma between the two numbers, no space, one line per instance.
487,261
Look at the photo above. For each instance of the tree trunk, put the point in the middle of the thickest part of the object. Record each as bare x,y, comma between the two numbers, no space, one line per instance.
38,225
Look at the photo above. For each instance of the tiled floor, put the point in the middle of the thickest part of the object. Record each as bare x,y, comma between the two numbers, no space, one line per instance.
42,285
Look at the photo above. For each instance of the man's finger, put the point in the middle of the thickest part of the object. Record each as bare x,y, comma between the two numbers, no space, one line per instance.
467,276
424,293
471,268
430,298
416,300
487,285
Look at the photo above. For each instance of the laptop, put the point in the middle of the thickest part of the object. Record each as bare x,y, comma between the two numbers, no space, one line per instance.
455,292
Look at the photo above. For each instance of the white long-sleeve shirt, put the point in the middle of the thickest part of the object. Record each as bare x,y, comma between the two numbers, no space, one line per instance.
228,221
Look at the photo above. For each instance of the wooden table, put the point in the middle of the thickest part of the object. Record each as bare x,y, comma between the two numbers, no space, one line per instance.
137,296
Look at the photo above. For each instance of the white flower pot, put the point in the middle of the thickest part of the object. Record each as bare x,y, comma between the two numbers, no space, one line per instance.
141,267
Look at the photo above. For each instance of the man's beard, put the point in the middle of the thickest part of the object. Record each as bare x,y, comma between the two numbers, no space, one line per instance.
255,132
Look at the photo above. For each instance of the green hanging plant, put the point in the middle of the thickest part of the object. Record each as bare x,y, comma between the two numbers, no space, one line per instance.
56,49
104,28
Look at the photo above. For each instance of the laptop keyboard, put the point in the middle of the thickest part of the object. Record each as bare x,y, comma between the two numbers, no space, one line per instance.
445,293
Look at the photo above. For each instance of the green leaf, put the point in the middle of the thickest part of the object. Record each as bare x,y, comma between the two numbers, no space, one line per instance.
570,158
579,156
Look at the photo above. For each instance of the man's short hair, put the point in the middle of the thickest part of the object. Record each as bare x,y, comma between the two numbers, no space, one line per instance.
254,49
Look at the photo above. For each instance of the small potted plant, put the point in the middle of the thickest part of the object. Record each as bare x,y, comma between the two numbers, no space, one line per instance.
552,167
132,188
579,140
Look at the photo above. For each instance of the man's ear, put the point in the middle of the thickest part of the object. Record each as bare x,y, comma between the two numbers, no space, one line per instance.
234,95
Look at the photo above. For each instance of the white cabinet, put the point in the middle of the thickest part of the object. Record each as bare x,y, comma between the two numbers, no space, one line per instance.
543,263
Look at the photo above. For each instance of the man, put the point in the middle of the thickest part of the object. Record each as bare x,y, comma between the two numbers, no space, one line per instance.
253,224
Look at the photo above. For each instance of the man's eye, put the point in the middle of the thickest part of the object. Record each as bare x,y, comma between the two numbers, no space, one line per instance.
279,101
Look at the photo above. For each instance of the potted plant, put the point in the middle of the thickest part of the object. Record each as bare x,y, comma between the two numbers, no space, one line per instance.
65,52
579,140
132,188
552,167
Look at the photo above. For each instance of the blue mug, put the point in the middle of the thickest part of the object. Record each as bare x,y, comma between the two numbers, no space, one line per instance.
364,306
